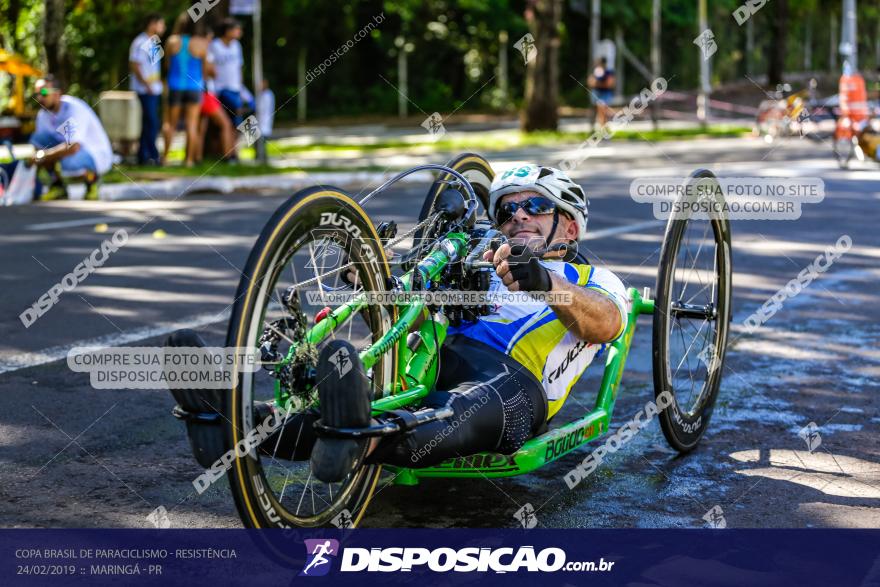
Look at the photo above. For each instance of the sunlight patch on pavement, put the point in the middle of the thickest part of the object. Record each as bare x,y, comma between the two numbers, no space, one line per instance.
836,475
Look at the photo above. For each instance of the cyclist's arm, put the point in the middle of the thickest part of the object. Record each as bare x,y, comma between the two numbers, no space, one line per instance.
591,316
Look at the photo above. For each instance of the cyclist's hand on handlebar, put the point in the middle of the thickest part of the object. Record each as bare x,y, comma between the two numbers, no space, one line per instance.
519,268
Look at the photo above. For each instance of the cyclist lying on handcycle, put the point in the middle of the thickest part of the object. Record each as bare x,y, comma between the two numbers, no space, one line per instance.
505,374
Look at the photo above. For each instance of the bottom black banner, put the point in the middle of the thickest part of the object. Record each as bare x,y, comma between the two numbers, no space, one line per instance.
452,557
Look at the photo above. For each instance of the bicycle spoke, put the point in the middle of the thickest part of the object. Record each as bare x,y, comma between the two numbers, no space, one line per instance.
690,373
687,254
696,256
317,271
683,344
681,330
698,292
301,497
283,430
312,491
284,487
705,339
700,330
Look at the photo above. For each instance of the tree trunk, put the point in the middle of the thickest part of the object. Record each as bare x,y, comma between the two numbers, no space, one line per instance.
13,10
779,34
53,41
542,81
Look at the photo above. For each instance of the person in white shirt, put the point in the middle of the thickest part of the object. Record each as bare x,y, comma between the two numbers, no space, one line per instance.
69,133
228,63
266,110
248,104
144,62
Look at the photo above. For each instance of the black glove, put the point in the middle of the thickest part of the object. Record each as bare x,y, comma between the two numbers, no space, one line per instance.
527,271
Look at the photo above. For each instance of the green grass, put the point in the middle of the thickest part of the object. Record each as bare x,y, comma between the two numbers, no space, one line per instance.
129,173
479,142
489,142
720,131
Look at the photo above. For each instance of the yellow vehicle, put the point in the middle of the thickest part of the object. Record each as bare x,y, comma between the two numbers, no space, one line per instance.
17,116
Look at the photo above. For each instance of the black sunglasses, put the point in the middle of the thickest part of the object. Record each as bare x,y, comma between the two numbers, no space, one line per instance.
533,207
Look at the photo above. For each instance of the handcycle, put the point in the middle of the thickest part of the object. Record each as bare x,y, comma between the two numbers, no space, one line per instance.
856,139
321,235
783,115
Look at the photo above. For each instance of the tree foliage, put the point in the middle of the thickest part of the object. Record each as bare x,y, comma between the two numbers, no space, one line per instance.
454,45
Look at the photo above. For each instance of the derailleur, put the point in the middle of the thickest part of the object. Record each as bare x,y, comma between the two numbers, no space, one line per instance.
296,374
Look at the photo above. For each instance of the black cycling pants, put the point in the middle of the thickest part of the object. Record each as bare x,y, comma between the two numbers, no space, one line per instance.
497,405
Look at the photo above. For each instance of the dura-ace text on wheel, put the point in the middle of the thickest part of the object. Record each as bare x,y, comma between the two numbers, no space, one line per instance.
319,243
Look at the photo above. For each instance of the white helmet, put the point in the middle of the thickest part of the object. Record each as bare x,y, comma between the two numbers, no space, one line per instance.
547,181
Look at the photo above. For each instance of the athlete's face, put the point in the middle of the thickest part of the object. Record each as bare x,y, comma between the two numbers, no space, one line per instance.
533,231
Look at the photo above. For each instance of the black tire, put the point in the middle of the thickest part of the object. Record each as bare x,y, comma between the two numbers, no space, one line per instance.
475,169
286,241
685,419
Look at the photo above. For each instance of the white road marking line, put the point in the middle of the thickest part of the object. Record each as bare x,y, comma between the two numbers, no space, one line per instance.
68,223
594,234
57,353
136,216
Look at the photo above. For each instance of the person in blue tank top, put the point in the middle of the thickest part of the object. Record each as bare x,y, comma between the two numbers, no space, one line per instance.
186,54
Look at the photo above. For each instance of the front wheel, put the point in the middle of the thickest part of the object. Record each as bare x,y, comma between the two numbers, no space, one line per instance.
692,316
319,242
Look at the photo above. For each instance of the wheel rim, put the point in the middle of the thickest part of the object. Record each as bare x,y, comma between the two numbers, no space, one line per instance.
310,264
693,338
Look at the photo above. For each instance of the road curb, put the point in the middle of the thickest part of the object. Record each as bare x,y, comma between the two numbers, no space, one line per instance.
171,189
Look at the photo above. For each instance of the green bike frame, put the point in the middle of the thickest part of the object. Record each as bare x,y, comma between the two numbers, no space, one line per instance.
417,374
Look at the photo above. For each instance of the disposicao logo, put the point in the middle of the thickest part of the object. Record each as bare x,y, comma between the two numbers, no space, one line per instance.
319,551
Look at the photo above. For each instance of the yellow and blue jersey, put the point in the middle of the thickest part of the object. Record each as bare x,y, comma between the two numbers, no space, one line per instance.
531,333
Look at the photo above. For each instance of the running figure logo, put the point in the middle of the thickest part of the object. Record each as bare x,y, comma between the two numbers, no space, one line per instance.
318,551
343,520
68,131
153,48
250,128
325,255
434,125
526,46
526,516
342,361
715,518
706,42
810,435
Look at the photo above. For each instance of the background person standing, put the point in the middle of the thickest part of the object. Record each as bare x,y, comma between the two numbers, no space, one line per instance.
265,110
602,82
144,62
187,50
228,63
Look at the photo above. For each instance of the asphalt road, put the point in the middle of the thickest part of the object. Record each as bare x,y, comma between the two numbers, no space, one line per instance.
73,456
